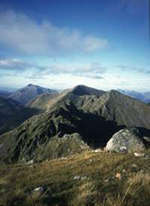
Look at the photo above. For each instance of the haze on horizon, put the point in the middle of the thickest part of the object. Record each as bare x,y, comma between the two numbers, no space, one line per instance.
60,44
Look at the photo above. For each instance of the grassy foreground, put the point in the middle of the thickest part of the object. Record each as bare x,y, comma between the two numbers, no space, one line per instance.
86,179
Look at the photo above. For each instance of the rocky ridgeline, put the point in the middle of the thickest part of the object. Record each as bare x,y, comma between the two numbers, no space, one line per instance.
77,120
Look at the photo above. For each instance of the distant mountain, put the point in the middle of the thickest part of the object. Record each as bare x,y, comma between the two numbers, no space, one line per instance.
12,114
92,118
28,93
45,101
4,93
145,96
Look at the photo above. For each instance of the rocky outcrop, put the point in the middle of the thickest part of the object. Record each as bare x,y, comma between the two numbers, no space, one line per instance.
126,140
57,147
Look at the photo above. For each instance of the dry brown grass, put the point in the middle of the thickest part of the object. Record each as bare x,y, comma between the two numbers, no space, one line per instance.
96,183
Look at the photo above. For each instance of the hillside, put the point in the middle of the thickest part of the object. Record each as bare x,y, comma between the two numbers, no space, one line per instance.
142,96
28,93
93,118
4,93
12,114
89,178
45,102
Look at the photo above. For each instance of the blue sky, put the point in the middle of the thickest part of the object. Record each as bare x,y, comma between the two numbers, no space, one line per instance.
63,43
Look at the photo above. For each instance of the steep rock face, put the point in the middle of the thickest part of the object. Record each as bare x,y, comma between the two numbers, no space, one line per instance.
94,117
28,93
128,140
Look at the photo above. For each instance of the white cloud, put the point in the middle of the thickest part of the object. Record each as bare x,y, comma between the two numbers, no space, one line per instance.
66,75
21,34
14,65
34,71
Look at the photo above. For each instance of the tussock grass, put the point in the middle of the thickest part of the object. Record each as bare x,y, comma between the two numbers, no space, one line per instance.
86,179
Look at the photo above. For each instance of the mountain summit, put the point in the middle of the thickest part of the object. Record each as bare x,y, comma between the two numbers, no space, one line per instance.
84,90
28,93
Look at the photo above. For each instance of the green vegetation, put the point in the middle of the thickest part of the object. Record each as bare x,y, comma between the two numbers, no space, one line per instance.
12,114
54,164
95,118
86,179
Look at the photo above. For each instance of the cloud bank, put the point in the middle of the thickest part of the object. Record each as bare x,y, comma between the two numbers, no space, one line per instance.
21,34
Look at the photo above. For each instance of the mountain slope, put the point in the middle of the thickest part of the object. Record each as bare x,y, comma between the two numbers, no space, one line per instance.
12,114
94,118
45,102
145,96
4,93
28,93
89,179
81,90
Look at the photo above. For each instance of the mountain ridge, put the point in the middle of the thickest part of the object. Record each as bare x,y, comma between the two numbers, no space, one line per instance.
28,93
142,96
94,118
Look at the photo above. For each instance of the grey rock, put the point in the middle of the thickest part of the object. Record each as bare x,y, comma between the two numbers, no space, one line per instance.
30,162
76,177
38,189
80,177
126,140
136,154
147,139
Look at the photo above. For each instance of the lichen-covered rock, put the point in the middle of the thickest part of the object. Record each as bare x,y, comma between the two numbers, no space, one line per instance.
63,146
126,140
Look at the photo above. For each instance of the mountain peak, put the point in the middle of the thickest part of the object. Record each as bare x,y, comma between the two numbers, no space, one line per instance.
85,90
28,93
30,85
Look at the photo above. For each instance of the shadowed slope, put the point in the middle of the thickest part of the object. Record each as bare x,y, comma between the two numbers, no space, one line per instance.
94,118
12,114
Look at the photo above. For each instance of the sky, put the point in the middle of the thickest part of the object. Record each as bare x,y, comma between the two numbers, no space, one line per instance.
63,43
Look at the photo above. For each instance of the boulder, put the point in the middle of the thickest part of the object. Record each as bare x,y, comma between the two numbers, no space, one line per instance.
126,140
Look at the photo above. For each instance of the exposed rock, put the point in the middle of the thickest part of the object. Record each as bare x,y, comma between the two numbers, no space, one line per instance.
118,176
38,189
126,139
134,165
123,149
30,162
79,177
37,192
60,147
136,154
147,139
97,150
76,177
